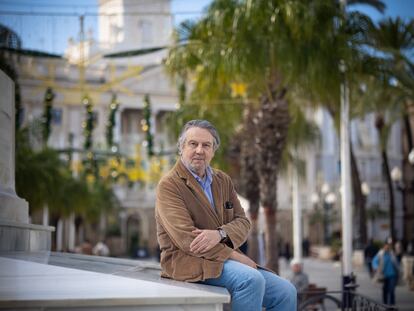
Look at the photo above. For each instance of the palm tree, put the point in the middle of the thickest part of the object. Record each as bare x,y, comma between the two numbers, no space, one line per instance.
250,178
262,44
394,40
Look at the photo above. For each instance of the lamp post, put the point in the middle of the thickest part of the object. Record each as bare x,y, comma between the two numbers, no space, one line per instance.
297,217
315,203
361,238
365,189
329,201
324,190
396,176
411,157
325,199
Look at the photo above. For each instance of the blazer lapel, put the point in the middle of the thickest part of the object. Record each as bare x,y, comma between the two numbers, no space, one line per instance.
198,192
218,198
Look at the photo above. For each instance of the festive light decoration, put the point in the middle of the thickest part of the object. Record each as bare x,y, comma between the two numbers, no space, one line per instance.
90,163
88,125
111,123
47,115
146,126
238,89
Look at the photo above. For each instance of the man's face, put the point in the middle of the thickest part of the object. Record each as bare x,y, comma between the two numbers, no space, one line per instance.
197,151
296,268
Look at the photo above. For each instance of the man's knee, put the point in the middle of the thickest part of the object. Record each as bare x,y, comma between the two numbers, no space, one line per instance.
255,281
289,291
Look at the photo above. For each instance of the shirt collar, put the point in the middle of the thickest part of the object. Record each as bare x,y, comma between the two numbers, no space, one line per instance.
208,179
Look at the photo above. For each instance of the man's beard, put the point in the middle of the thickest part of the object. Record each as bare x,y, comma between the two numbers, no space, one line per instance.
198,169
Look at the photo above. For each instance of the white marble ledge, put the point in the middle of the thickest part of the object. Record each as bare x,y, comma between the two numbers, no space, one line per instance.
30,284
14,224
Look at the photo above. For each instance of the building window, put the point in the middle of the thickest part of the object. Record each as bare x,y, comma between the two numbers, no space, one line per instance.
131,121
57,116
146,31
115,33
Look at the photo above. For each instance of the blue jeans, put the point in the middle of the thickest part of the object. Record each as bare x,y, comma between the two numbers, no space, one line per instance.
250,289
388,290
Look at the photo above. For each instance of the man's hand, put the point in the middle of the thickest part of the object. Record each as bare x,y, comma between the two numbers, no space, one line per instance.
205,240
243,259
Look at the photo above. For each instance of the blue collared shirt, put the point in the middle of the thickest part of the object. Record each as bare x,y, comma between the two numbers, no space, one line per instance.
205,183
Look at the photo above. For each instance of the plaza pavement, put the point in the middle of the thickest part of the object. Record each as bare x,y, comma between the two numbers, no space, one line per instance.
328,274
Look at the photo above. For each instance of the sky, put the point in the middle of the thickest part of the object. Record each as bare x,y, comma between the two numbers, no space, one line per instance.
50,32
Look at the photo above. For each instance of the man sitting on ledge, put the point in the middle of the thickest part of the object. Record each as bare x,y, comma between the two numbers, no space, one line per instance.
201,225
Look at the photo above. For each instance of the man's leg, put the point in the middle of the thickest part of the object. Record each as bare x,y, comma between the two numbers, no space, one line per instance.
246,286
280,294
391,289
385,291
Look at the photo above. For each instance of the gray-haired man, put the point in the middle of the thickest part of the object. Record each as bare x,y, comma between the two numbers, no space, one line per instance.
201,225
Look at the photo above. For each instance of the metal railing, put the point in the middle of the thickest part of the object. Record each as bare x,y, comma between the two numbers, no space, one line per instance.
320,299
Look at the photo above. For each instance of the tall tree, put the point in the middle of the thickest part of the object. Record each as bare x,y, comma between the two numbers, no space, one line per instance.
393,41
271,47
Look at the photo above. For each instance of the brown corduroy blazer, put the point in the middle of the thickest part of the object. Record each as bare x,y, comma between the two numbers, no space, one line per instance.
181,207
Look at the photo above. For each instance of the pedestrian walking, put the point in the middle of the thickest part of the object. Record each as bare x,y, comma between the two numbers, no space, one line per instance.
305,247
399,251
369,253
201,225
386,269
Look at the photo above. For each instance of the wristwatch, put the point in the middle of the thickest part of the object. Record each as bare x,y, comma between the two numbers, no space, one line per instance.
223,235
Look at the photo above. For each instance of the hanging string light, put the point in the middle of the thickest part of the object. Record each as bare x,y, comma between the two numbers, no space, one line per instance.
146,126
88,125
47,115
90,163
113,108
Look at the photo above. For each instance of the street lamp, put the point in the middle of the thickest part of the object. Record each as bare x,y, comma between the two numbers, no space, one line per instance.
365,189
396,176
411,157
325,188
330,199
361,218
315,198
324,198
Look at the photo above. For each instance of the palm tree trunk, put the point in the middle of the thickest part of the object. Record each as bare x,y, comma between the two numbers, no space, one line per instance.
391,192
379,124
408,178
272,123
271,240
250,178
408,131
253,239
359,201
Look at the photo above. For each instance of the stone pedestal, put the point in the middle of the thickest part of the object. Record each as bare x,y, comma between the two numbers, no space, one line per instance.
20,237
16,234
12,207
